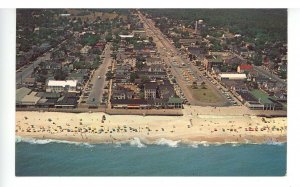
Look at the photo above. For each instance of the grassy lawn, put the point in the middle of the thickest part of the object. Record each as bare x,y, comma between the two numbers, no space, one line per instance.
204,95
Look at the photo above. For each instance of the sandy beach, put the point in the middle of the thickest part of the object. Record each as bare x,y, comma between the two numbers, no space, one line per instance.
191,127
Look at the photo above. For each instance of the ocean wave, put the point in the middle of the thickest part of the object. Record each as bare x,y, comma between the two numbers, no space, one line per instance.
137,142
274,143
167,142
19,139
193,145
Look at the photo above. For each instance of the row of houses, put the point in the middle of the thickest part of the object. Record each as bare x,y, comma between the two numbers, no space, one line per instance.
166,103
26,98
253,98
142,86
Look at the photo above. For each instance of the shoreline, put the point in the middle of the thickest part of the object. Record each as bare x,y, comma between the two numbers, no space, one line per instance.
189,128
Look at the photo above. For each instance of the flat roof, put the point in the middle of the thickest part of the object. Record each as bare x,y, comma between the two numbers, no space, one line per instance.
31,98
260,95
126,36
21,93
232,75
72,83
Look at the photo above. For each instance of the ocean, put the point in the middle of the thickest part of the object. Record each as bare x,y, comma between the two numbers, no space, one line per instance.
166,158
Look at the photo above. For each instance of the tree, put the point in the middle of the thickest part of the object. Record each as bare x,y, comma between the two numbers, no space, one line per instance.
114,56
283,74
203,85
108,37
257,60
151,39
133,76
59,75
145,79
109,75
194,86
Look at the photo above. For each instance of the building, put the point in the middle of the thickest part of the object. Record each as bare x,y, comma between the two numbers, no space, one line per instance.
187,42
199,27
152,75
20,94
174,102
232,76
213,62
85,49
139,33
126,36
150,90
166,91
69,100
30,100
129,103
244,67
61,86
122,94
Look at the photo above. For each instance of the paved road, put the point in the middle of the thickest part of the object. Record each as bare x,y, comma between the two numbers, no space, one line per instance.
267,73
27,71
166,50
98,84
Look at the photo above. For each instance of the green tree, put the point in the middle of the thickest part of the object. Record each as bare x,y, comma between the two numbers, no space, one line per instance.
109,75
133,76
151,39
145,79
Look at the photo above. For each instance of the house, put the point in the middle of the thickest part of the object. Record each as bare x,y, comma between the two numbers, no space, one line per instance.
165,91
197,51
280,96
46,103
68,100
30,99
153,60
249,100
174,102
186,42
20,94
123,36
129,103
122,94
29,81
233,59
213,62
232,76
85,49
150,90
234,85
156,68
61,86
139,33
266,101
244,67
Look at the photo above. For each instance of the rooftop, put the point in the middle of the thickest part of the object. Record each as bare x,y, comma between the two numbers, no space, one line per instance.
233,75
71,83
261,96
150,85
246,66
21,93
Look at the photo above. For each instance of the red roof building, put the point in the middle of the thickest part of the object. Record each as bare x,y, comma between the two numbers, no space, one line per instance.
244,67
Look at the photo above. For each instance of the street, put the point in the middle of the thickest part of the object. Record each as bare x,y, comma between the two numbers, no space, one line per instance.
262,71
97,90
27,70
169,52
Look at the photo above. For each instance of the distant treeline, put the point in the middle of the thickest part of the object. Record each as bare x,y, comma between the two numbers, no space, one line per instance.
265,24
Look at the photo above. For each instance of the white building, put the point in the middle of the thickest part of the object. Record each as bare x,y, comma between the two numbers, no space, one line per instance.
232,76
60,86
122,36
